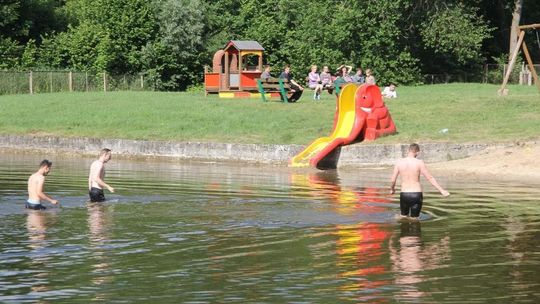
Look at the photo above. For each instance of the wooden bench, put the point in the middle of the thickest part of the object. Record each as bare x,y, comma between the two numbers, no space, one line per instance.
274,85
334,88
329,88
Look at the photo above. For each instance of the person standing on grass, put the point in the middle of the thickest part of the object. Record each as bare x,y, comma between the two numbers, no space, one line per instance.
36,183
410,168
97,174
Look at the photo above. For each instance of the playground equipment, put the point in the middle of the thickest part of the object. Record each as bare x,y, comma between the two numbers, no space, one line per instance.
360,115
521,42
235,69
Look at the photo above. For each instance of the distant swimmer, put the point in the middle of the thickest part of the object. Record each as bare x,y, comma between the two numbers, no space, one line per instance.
97,174
36,183
410,168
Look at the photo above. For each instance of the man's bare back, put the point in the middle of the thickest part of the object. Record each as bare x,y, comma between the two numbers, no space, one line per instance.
36,183
97,172
96,181
410,168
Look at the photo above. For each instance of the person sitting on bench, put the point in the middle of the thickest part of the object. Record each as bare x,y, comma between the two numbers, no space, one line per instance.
326,80
266,74
315,83
296,89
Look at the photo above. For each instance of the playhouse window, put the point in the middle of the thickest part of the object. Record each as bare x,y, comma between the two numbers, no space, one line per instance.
250,62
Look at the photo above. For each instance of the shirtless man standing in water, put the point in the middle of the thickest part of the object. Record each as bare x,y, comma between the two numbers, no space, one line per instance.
97,174
36,182
410,168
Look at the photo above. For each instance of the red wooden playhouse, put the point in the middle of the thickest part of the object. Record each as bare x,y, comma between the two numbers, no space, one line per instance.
234,70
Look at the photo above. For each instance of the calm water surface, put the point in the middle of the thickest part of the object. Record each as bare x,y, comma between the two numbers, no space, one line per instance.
216,233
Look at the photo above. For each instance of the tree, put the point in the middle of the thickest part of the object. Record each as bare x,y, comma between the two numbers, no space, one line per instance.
516,17
22,24
382,45
104,35
172,60
171,40
455,31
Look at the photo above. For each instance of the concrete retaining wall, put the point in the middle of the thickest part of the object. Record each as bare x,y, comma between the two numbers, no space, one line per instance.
430,152
358,154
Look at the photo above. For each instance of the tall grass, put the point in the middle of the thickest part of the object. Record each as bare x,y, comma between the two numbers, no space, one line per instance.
470,112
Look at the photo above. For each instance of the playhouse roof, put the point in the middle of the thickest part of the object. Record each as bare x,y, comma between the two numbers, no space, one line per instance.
245,45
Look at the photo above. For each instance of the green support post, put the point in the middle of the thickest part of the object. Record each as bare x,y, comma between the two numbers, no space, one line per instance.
282,90
261,90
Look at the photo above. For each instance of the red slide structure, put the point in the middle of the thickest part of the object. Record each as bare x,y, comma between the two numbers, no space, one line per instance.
360,115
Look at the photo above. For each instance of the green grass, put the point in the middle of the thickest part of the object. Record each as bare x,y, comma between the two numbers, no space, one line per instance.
471,112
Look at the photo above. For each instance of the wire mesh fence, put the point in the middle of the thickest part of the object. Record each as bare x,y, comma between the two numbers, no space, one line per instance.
16,82
491,73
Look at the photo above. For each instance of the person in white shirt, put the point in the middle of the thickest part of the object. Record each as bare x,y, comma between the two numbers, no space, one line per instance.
390,91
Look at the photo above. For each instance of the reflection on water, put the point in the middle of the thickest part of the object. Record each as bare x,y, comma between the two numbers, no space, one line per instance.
410,257
213,233
99,223
37,224
357,244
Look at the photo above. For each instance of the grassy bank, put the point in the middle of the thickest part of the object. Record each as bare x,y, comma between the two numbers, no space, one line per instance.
470,112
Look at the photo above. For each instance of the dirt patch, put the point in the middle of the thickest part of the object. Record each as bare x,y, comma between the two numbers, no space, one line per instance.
518,162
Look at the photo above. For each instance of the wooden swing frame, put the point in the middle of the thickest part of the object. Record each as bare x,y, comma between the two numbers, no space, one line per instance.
520,43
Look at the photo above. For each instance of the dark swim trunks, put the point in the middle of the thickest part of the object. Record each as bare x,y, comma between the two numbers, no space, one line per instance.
410,202
96,195
33,206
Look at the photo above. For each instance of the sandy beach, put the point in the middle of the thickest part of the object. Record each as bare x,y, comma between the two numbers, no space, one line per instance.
520,161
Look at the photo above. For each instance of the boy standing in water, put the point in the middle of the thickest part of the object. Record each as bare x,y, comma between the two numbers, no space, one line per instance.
97,174
410,168
36,183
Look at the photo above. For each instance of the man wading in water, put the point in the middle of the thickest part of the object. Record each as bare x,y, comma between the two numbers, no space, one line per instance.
36,183
97,174
410,168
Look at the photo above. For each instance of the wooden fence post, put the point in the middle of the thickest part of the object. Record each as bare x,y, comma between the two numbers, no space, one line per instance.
70,81
104,81
530,65
142,81
86,81
31,82
50,81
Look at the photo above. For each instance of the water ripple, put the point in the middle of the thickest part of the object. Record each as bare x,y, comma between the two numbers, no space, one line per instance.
212,233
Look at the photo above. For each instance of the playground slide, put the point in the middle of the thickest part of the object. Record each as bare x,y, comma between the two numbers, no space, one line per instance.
346,130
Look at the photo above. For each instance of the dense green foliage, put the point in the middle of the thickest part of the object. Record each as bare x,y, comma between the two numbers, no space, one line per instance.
420,113
171,40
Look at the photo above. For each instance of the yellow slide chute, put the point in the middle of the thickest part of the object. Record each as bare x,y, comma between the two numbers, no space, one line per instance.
345,131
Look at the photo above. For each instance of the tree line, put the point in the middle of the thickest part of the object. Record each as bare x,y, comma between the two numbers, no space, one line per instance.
171,40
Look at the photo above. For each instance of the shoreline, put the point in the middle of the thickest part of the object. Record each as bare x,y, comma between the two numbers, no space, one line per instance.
519,162
502,161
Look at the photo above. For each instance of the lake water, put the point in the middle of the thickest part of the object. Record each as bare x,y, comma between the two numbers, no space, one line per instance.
192,232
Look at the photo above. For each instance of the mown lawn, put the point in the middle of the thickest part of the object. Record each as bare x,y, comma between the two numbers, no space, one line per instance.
470,112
